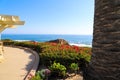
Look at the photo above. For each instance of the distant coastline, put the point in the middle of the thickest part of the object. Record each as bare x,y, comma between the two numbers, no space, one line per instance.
78,40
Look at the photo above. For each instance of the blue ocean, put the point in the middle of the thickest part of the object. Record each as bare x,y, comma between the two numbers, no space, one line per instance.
79,40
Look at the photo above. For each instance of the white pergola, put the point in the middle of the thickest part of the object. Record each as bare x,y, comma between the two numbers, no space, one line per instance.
8,21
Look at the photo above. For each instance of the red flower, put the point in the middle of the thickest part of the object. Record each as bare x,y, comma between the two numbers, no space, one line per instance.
35,43
53,44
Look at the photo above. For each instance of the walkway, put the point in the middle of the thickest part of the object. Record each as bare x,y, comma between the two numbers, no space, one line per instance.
76,77
17,64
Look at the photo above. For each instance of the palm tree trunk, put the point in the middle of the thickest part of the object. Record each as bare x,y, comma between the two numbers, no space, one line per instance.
105,61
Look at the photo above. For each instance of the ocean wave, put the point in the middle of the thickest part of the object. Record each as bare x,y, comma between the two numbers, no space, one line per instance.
22,40
80,45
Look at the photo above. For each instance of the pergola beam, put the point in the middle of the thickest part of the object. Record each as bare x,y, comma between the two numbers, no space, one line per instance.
12,22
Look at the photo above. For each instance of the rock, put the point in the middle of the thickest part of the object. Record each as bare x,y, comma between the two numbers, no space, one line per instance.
59,41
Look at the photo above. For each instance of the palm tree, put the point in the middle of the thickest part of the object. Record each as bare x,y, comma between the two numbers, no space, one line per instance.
105,61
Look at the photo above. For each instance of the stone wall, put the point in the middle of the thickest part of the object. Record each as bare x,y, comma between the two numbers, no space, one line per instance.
105,62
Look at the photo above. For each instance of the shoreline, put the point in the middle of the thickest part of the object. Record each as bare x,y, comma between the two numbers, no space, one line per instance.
72,44
80,45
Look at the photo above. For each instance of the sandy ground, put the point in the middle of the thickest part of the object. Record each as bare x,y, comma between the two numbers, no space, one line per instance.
16,65
77,77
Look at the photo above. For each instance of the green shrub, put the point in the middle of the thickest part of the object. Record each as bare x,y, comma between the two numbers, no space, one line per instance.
6,40
64,54
58,70
35,47
74,67
36,77
65,59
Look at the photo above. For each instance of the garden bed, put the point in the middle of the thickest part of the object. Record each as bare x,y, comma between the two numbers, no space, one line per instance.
53,53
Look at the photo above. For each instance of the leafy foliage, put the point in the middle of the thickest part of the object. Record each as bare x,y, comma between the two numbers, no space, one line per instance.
58,70
74,67
64,54
50,52
37,77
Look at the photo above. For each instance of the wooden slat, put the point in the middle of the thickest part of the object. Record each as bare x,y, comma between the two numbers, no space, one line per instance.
12,22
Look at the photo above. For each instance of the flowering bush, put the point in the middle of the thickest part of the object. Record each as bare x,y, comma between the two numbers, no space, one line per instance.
50,52
64,54
41,75
44,73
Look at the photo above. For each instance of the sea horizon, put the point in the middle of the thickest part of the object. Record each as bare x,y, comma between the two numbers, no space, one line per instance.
72,39
41,34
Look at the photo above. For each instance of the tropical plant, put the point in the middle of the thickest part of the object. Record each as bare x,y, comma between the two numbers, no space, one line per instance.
74,67
58,70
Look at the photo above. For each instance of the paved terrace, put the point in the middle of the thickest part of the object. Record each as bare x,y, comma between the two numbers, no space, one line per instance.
18,62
